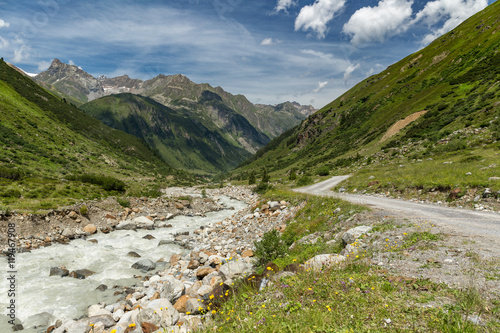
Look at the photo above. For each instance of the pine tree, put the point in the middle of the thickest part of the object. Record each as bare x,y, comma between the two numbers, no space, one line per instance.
251,178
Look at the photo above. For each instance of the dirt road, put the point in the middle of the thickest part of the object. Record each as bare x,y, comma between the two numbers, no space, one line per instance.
469,222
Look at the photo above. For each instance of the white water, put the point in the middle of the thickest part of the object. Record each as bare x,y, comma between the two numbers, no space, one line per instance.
68,298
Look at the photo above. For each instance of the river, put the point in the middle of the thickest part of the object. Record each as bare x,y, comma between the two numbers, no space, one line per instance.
68,298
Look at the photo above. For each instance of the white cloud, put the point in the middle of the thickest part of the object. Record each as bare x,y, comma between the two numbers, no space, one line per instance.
388,18
43,65
21,53
3,43
4,24
454,11
320,87
349,70
315,17
270,41
283,5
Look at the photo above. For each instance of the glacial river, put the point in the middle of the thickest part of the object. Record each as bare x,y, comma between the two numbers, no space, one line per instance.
40,296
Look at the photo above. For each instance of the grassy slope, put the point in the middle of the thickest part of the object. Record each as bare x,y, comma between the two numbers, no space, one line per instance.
48,140
455,79
181,141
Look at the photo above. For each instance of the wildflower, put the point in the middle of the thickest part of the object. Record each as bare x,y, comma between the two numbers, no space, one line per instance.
188,312
91,325
131,325
113,331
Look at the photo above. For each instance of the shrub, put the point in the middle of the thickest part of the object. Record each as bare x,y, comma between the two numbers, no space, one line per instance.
124,202
262,188
107,183
84,210
11,173
293,174
323,171
304,180
10,193
270,247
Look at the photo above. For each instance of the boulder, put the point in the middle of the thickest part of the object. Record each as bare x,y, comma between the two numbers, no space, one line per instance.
149,237
126,225
204,271
172,288
144,265
235,269
102,287
39,320
194,306
59,271
487,193
90,228
247,253
180,305
133,254
96,310
81,273
323,261
143,222
351,235
169,315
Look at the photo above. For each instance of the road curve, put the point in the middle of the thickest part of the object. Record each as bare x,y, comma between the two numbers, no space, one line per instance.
461,220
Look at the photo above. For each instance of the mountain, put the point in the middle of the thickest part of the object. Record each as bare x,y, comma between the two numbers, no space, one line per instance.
181,140
174,91
45,140
437,105
212,130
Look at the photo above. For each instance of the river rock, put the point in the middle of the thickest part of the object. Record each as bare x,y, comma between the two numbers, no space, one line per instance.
204,290
323,261
81,273
118,314
194,306
90,228
126,225
487,193
143,222
180,304
235,269
133,254
172,288
351,235
149,237
148,327
96,310
169,315
39,320
59,271
102,287
204,271
145,265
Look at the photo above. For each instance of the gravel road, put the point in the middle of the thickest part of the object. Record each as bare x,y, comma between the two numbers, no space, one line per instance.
461,221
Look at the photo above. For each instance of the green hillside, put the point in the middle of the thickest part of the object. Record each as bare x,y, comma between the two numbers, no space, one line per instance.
49,148
454,81
180,140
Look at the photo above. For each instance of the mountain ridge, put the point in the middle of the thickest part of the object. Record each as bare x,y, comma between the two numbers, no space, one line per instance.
174,91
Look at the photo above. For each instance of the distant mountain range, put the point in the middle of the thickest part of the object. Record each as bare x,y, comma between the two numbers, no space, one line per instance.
193,126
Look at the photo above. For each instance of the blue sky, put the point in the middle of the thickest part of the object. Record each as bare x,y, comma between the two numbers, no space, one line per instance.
271,51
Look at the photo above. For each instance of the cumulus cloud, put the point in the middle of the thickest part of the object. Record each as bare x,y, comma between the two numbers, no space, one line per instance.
349,70
315,17
269,41
4,24
320,87
388,18
453,11
283,5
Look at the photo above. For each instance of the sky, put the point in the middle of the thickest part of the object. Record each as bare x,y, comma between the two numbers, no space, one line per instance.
271,51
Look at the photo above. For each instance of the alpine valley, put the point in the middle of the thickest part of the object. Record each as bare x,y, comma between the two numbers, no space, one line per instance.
195,127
